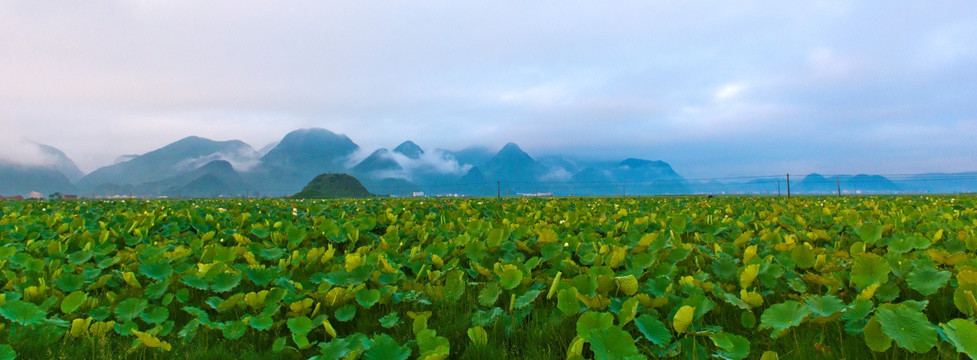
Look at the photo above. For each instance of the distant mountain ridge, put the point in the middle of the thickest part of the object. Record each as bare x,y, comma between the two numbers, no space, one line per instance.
200,167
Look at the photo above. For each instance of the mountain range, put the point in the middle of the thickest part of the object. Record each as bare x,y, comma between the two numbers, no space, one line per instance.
200,167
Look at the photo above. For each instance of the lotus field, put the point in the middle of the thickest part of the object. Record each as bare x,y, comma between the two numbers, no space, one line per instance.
561,278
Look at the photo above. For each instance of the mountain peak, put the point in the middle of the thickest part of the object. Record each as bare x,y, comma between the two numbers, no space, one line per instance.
409,149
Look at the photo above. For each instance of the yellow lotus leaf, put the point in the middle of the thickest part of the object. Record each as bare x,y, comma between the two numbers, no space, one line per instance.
553,284
80,326
152,341
328,255
576,348
329,329
384,265
967,275
314,253
645,300
256,299
627,284
683,318
868,292
101,328
353,261
749,275
130,279
769,355
752,298
749,254
618,255
659,302
437,261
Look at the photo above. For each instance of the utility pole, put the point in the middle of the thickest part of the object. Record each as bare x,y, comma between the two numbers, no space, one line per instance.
778,187
838,182
788,185
624,190
498,189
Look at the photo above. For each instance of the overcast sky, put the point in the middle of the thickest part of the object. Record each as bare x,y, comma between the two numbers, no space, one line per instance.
715,88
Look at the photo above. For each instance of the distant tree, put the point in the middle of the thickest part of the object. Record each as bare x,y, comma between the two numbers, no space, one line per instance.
55,196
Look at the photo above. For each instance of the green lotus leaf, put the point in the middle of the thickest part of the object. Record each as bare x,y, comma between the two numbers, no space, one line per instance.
130,308
390,320
155,314
260,231
261,322
262,277
79,257
567,302
195,282
224,282
824,305
486,318
593,320
869,269
653,330
724,268
525,299
731,347
71,302
386,348
68,282
613,343
22,312
510,278
875,339
7,352
157,289
783,316
454,286
927,280
295,235
870,232
299,325
962,333
189,330
901,244
803,256
628,311
301,341
366,298
234,330
748,319
488,294
157,270
909,327
345,313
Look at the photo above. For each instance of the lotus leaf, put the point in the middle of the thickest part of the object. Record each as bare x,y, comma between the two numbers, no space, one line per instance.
386,348
613,343
224,282
71,302
783,316
7,352
909,327
927,280
683,318
593,320
152,341
366,298
962,333
299,325
732,347
874,337
869,269
653,330
130,308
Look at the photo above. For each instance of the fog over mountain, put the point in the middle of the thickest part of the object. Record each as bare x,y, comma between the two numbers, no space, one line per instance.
201,167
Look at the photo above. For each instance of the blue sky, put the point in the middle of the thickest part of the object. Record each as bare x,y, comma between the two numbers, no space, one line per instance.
714,88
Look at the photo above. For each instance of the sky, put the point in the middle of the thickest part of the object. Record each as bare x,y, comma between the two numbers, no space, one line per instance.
715,88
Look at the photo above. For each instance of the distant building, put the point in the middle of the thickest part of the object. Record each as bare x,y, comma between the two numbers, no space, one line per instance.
418,194
1,198
69,197
16,197
34,195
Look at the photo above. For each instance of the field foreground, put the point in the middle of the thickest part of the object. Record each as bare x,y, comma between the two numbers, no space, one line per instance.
603,278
